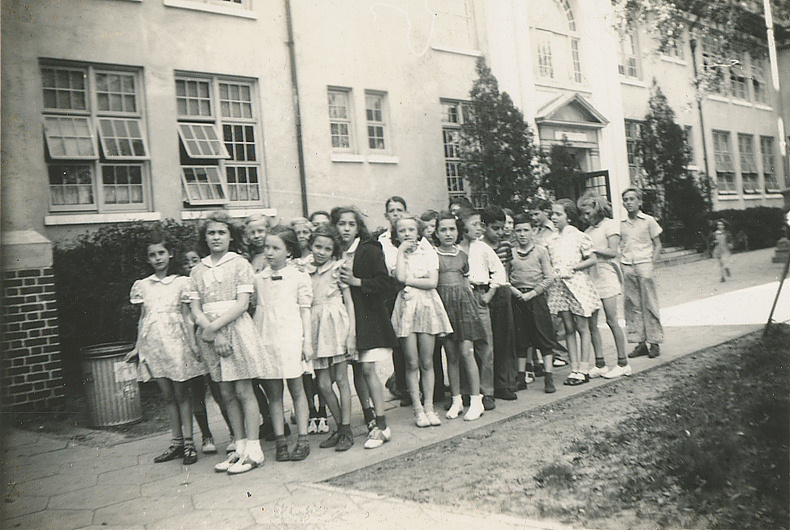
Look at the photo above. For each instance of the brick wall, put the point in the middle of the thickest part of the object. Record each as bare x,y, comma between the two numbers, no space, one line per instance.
32,376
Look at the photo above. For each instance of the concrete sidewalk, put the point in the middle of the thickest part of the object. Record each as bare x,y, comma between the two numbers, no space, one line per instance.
59,484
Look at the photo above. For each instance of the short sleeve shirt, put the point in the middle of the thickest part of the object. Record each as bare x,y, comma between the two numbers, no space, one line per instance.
636,238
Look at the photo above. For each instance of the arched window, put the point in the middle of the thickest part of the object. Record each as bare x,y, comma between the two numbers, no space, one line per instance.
556,43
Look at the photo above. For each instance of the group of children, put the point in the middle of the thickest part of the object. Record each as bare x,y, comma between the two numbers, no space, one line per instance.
266,307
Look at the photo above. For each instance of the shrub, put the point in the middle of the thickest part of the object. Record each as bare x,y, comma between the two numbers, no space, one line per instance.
93,275
752,228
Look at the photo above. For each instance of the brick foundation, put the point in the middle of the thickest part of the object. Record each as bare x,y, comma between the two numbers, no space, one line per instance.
32,377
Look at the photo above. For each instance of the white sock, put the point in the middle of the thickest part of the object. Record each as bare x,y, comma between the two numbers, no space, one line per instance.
253,450
584,368
241,445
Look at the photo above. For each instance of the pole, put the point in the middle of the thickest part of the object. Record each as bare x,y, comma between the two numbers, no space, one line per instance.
776,298
297,110
769,27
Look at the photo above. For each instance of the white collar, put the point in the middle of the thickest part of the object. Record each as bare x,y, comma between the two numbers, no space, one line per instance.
224,259
166,280
353,247
268,272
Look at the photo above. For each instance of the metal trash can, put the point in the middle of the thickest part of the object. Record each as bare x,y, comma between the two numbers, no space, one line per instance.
110,385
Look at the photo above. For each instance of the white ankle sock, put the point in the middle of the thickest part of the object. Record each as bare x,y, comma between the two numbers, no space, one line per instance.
241,445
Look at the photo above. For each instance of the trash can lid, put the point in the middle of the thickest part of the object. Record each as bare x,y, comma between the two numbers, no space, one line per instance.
107,349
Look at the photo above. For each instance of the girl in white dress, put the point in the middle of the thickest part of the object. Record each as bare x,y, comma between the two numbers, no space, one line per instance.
419,315
282,316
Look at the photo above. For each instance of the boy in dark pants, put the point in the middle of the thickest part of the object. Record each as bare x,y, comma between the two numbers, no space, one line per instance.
493,219
531,274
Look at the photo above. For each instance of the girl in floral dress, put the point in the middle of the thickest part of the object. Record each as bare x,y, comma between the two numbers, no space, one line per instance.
220,290
166,347
418,316
572,295
334,336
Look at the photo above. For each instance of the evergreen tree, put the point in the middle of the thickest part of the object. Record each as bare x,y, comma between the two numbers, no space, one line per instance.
496,145
564,172
679,198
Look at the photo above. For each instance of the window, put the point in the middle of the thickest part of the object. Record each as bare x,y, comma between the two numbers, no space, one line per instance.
738,73
556,43
748,164
376,120
629,55
759,78
454,114
96,145
218,133
769,170
340,119
713,65
633,130
725,172
688,134
675,46
454,24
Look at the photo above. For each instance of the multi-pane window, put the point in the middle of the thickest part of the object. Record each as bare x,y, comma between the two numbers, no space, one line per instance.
688,134
340,119
629,55
713,65
675,46
376,120
218,130
769,170
556,42
748,164
738,73
454,114
725,170
759,78
632,133
96,145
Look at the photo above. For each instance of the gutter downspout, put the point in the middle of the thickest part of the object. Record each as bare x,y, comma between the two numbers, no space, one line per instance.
297,110
693,44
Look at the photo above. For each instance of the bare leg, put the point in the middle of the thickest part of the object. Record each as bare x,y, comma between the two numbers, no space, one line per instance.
583,327
173,415
467,356
249,407
610,310
425,346
570,339
361,384
595,335
325,388
375,388
296,388
411,360
453,372
340,376
274,391
184,401
233,406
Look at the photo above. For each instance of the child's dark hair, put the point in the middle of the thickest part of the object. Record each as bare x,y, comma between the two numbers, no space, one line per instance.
220,216
157,237
329,232
362,229
429,215
289,238
492,214
464,214
522,219
463,202
446,215
395,198
570,210
319,212
541,205
508,213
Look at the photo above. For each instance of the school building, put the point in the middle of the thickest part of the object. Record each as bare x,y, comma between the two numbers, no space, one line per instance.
123,110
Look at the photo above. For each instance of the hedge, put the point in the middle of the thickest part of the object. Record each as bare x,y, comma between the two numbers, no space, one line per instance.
752,228
93,275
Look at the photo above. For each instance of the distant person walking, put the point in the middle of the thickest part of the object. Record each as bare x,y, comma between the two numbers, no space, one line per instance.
721,240
640,246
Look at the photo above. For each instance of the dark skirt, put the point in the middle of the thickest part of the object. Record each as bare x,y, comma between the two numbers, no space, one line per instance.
461,308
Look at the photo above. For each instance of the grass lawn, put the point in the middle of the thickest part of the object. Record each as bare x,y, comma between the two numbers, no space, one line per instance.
698,443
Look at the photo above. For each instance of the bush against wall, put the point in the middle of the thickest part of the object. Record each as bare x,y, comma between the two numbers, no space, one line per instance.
93,276
753,228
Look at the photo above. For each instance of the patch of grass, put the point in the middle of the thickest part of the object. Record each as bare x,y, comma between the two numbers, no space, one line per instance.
717,444
555,476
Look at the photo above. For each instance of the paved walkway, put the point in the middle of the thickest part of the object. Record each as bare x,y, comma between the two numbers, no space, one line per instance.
59,484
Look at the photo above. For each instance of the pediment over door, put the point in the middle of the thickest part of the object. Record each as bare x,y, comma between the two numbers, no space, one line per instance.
571,110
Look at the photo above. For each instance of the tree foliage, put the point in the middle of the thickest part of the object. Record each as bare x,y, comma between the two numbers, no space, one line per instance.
564,171
679,199
496,145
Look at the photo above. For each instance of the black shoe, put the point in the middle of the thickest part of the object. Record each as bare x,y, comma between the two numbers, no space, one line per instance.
301,451
576,381
392,386
405,401
172,453
505,394
332,441
539,371
282,454
345,442
488,403
654,351
266,432
639,351
548,384
521,385
190,455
